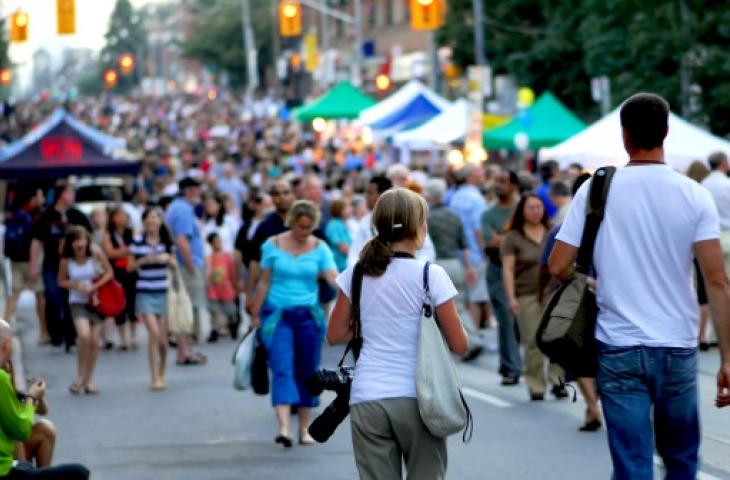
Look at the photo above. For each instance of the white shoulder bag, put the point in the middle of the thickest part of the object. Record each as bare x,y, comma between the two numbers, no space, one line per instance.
442,406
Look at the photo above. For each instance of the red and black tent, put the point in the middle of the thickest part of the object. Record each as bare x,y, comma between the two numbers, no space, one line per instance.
63,145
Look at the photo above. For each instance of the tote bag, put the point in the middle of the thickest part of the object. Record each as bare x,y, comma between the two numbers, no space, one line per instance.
243,360
443,408
179,309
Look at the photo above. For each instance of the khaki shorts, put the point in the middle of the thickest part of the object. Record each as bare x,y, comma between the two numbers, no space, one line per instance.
80,310
21,277
479,293
195,285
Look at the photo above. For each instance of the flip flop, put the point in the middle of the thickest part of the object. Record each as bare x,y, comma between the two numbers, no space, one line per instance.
75,389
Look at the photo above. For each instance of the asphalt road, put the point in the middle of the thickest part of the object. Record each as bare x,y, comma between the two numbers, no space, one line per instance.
201,428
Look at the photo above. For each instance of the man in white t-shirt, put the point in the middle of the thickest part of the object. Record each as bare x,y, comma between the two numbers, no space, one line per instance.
718,183
656,222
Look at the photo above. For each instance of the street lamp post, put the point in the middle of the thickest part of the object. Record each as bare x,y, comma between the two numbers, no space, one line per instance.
479,53
357,80
249,48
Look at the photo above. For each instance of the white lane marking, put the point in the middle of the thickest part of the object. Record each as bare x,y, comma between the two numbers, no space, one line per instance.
485,397
700,475
717,438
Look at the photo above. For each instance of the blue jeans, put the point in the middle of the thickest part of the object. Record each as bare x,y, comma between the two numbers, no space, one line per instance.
294,355
630,381
510,362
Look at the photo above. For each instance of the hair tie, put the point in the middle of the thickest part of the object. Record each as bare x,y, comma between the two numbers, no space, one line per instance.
397,225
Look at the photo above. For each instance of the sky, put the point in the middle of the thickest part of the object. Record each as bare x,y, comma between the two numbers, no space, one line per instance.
92,18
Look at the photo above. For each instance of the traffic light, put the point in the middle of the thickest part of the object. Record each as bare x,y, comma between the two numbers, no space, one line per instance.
110,78
6,76
427,15
126,63
66,16
290,18
19,27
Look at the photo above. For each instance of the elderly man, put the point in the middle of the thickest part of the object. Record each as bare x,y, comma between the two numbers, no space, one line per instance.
449,240
469,204
16,422
189,243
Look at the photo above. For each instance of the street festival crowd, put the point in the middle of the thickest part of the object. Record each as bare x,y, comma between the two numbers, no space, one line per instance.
263,223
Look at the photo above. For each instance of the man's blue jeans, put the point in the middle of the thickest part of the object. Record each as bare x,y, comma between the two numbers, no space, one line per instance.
510,362
630,381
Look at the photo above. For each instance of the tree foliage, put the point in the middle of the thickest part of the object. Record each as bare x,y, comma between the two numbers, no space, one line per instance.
217,36
4,46
640,45
126,34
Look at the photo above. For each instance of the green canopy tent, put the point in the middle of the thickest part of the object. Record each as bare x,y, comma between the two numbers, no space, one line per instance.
546,123
342,101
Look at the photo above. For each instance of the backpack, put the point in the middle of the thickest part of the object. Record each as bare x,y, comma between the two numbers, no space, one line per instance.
18,236
566,334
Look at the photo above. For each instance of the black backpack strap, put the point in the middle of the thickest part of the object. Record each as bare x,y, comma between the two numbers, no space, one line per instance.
355,345
427,303
595,211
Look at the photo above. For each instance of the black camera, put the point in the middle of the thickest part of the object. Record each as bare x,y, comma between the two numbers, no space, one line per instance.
338,380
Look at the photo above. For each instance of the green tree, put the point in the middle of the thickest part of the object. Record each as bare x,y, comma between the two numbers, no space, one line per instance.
125,34
216,39
4,45
640,45
528,39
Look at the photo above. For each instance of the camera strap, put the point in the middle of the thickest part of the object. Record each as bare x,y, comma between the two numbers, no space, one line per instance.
355,345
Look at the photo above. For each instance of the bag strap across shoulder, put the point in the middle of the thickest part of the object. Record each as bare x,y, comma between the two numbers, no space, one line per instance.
355,345
595,211
427,304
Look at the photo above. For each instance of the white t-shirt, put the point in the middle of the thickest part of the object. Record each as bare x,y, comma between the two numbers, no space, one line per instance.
719,186
390,314
643,255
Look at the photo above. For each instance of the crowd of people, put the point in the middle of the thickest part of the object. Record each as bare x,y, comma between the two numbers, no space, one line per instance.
263,223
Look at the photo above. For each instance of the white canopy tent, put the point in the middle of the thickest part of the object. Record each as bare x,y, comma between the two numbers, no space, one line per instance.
600,144
399,99
449,126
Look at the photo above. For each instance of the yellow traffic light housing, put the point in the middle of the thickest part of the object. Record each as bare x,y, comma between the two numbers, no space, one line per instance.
427,15
19,27
290,18
66,16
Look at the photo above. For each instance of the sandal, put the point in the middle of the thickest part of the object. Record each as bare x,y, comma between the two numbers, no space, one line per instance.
91,391
75,389
305,438
194,359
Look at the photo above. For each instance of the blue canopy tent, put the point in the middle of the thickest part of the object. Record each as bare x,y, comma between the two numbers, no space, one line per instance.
61,146
414,113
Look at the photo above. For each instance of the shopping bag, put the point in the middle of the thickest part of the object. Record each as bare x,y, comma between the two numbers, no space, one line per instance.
243,360
260,369
179,307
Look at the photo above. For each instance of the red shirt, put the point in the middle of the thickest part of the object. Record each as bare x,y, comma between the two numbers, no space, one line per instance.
220,280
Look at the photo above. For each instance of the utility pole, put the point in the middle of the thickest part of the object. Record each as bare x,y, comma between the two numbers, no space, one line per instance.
357,79
433,60
684,62
325,42
479,53
275,40
249,49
